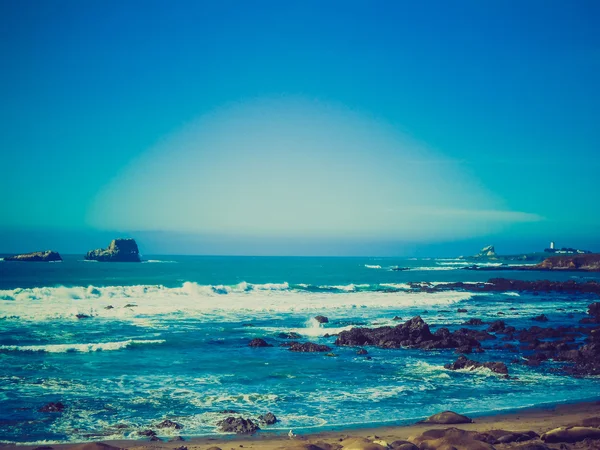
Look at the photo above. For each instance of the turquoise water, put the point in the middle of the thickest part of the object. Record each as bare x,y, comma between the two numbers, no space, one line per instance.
174,345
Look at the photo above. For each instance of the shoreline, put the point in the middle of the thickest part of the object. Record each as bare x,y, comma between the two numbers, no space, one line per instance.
539,418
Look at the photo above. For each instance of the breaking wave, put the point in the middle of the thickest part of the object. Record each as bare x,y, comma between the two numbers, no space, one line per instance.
83,348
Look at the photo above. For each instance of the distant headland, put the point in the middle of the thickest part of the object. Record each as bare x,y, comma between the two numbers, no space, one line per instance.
551,258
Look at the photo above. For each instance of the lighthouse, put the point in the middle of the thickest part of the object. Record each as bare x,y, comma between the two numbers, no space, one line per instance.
551,245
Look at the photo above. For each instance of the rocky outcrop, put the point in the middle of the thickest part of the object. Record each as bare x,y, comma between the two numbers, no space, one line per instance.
414,333
119,250
464,363
238,425
321,319
44,256
268,418
258,342
307,347
488,252
589,263
169,424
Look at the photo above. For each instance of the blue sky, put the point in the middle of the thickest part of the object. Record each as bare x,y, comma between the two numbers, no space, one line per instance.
103,103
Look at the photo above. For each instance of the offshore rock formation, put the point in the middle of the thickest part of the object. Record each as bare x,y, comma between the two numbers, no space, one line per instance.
486,252
464,363
46,256
413,334
119,250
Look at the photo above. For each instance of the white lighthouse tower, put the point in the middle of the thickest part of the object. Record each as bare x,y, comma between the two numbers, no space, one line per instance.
551,245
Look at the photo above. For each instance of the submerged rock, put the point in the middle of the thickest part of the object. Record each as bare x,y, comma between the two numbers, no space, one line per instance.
43,256
238,425
447,418
52,407
540,318
119,250
464,363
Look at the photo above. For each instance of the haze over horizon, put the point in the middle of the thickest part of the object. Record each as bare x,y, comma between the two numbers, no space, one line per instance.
300,128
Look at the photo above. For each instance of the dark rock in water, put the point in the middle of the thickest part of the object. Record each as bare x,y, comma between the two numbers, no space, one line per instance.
464,363
474,322
540,318
109,307
45,256
306,347
228,411
290,335
321,319
147,433
361,351
414,333
461,310
447,418
496,326
238,425
83,316
119,250
52,407
399,269
268,418
397,318
169,424
258,342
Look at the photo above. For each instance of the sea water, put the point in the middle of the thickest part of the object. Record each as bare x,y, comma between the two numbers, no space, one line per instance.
124,346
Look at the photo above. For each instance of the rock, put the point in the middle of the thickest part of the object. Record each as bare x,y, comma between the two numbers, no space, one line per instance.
496,326
464,363
258,342
321,319
474,322
43,256
147,433
570,434
414,333
119,250
228,411
397,318
308,347
238,425
169,424
361,351
589,263
290,335
82,316
447,418
461,310
540,318
52,407
268,418
486,252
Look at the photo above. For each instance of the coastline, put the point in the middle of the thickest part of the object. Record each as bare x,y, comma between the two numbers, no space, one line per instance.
538,418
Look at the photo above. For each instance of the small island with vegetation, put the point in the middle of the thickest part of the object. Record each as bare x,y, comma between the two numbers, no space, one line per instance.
119,250
41,256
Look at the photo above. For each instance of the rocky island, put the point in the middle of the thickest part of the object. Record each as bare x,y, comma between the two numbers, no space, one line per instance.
119,250
43,256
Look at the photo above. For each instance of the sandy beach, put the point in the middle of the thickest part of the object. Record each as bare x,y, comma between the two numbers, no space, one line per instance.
539,420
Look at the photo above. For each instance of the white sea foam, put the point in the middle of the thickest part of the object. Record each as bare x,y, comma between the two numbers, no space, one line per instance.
372,266
83,348
229,303
159,261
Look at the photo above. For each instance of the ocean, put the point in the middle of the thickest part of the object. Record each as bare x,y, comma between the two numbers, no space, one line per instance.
125,346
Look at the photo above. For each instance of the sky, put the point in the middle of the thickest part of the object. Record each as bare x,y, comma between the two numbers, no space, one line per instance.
292,128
